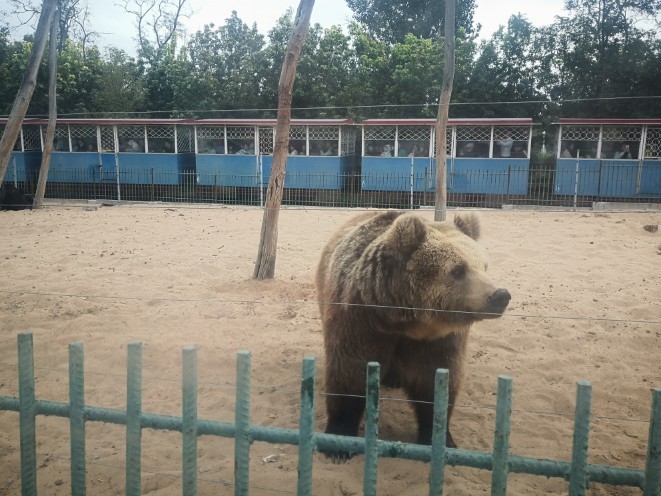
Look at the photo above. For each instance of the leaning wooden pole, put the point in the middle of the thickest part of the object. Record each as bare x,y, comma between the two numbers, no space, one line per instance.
440,210
52,113
24,95
268,242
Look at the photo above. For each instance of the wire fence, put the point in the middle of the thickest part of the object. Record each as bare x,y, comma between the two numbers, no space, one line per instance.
578,472
565,185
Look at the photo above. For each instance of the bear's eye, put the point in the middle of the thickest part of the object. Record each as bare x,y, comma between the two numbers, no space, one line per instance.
458,272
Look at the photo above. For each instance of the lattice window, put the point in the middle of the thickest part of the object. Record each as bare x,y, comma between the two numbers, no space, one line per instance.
184,139
384,133
448,141
266,140
160,139
621,133
473,133
160,131
516,133
414,133
243,132
107,139
241,140
31,138
653,143
131,132
413,141
298,133
131,138
348,144
83,138
324,133
211,132
211,139
580,133
83,131
60,138
324,140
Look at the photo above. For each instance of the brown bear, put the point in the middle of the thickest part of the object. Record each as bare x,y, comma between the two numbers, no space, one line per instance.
402,291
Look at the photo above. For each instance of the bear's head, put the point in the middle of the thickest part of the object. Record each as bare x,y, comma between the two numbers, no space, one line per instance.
438,270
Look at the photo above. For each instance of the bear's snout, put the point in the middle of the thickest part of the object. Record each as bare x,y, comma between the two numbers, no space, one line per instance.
499,300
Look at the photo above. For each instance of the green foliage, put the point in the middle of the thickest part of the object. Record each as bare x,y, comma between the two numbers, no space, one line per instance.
392,20
388,63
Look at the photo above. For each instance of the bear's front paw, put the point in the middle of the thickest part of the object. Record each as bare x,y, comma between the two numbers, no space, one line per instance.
338,457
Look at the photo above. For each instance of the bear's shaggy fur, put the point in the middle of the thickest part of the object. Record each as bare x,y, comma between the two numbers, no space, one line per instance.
402,291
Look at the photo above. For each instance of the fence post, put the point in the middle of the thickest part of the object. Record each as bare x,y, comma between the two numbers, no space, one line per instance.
501,443
411,181
578,154
578,481
371,429
653,463
189,421
242,423
117,171
306,428
133,419
27,412
77,418
439,432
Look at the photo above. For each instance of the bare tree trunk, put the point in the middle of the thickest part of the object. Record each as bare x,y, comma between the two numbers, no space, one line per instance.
440,210
268,243
24,95
52,113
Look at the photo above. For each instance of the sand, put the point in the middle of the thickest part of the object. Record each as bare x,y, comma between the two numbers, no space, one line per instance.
586,290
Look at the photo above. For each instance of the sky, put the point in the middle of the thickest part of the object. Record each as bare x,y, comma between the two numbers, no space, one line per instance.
118,29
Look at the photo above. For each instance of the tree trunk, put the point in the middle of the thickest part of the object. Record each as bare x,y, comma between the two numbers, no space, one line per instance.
440,210
24,95
52,113
265,264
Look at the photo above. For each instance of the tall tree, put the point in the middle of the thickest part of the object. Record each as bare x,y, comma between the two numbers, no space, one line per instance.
74,19
28,83
606,49
52,113
157,21
227,61
121,84
440,210
392,20
268,243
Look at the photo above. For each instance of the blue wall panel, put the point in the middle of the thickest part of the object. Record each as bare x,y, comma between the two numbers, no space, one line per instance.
650,180
23,167
464,175
588,177
227,170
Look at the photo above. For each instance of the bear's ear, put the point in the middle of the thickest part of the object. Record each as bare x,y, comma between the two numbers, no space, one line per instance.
469,224
407,233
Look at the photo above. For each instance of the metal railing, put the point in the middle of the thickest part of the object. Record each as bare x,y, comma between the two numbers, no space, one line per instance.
578,472
567,185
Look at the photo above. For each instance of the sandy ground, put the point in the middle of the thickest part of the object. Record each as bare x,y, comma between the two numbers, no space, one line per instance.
583,285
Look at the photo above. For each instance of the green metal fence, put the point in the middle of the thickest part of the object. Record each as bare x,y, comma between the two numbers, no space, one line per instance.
578,472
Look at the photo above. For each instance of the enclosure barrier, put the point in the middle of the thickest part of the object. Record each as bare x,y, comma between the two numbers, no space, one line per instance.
539,184
578,472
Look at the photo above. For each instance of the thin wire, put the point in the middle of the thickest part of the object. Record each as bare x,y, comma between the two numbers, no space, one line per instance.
274,389
315,302
375,106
